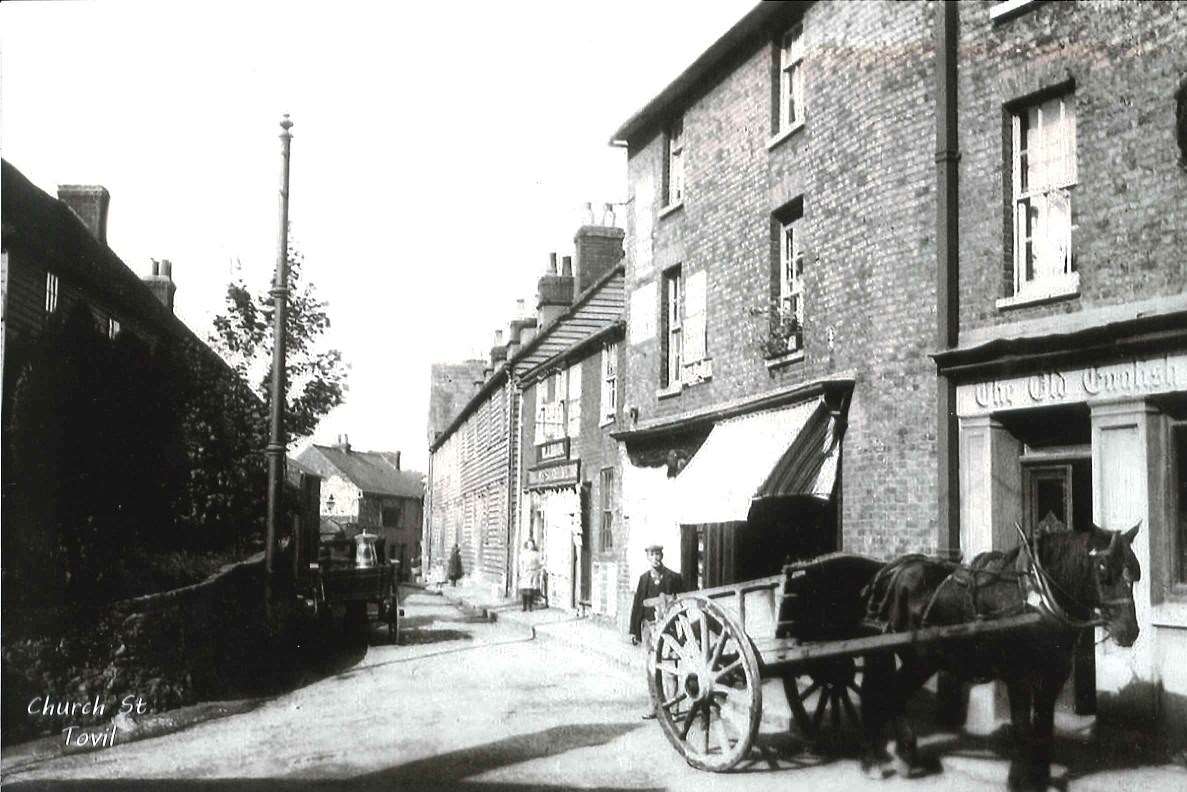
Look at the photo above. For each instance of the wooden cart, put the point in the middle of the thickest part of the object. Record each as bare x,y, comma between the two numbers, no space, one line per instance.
337,580
711,649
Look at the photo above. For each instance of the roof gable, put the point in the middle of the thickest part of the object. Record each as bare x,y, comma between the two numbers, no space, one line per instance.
373,472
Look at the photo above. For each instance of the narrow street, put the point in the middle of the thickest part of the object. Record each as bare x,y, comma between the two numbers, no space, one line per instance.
461,703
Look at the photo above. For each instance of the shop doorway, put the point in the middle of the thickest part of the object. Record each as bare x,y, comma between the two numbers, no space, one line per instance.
1056,468
1056,497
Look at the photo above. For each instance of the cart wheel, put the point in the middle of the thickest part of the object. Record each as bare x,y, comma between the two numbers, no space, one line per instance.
836,711
393,624
705,685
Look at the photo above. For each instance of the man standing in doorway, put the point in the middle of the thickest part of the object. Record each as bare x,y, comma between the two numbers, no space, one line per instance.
655,581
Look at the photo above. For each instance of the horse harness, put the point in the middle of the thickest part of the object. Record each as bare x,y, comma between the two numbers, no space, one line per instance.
1036,585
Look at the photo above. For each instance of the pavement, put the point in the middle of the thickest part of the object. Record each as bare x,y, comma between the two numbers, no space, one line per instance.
586,633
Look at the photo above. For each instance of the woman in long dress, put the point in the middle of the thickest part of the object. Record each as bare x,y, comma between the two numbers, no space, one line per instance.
531,571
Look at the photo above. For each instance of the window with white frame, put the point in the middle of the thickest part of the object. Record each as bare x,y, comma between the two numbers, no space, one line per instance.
51,292
787,295
791,79
674,170
551,420
1043,174
573,401
113,327
609,381
670,317
606,502
791,274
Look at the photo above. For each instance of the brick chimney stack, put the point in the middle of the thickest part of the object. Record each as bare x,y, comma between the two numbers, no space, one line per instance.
344,443
598,250
555,294
498,352
161,282
89,202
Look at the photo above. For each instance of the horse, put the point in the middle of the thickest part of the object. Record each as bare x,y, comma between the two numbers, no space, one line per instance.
1075,579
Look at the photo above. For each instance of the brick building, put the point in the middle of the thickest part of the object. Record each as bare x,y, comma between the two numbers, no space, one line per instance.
1064,353
369,491
570,497
780,261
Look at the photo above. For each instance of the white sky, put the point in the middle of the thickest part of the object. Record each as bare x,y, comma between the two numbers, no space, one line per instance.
440,152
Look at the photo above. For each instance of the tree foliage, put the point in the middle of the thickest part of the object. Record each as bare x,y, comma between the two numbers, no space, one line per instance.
315,378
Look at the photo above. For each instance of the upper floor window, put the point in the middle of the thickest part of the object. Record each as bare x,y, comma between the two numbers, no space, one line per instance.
674,168
51,292
113,327
670,324
787,286
606,502
609,381
554,418
390,516
1043,173
791,80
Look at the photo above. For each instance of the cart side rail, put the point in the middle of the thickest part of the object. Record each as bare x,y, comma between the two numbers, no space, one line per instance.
753,603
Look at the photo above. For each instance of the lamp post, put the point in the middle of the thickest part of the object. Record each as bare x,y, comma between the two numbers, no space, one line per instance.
277,445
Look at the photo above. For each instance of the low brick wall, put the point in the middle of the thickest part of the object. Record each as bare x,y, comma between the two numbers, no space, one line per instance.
211,640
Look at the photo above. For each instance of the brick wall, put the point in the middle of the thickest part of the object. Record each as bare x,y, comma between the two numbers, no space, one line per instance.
1130,203
863,165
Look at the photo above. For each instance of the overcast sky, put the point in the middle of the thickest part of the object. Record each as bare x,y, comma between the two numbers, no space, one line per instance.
440,151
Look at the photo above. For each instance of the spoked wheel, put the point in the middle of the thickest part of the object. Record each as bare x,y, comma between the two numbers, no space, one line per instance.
705,685
832,694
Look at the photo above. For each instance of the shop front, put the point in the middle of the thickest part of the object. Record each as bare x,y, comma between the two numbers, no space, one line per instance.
1063,432
555,523
736,494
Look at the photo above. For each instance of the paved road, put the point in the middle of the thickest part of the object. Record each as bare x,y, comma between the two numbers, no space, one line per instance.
461,704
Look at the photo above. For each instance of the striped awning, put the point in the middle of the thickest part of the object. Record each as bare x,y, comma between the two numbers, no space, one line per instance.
787,451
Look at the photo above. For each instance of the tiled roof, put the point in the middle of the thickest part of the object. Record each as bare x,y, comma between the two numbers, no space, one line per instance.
374,472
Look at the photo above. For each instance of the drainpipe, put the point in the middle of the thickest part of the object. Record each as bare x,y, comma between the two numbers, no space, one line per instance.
947,271
514,455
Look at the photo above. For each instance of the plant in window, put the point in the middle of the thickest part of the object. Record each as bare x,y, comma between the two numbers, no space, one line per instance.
784,332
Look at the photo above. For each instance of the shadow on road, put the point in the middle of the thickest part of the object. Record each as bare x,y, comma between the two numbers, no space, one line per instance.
450,770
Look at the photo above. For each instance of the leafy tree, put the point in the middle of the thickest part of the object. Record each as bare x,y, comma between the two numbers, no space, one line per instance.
315,378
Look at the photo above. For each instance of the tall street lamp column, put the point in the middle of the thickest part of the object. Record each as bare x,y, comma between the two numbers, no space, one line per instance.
277,445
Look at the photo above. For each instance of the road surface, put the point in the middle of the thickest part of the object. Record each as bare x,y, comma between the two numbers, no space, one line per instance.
461,704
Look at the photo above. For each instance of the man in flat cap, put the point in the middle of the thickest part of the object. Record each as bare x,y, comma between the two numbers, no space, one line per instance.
655,581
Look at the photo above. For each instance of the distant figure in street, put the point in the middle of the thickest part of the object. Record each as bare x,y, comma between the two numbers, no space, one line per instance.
655,581
531,571
455,565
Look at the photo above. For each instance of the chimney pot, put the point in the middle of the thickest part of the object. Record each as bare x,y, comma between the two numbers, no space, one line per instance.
498,337
589,216
551,263
567,272
397,460
608,215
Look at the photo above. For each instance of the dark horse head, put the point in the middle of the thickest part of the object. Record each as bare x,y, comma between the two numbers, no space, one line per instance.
1115,569
1092,575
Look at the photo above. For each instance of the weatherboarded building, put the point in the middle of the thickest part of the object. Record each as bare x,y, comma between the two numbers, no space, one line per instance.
476,473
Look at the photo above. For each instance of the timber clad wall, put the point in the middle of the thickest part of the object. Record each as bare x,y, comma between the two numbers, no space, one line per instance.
863,166
1126,61
469,487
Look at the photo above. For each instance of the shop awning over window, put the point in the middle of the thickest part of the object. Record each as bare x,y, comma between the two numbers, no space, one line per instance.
788,451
